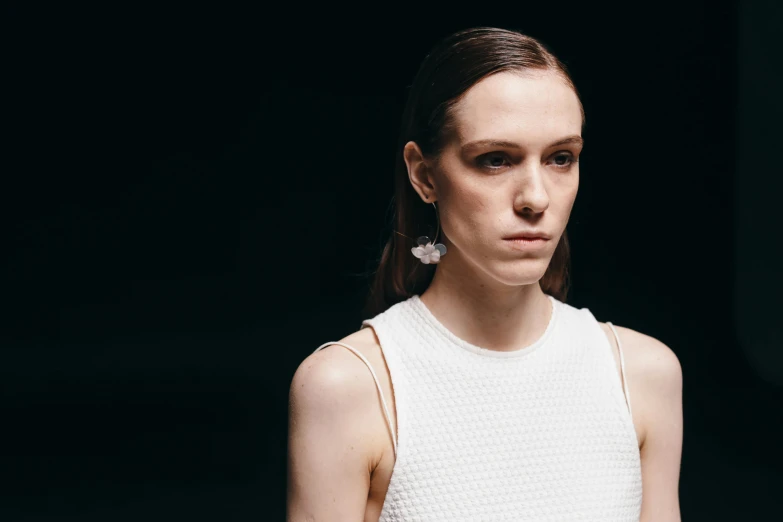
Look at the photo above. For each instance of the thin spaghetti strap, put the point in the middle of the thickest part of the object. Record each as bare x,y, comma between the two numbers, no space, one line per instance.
622,368
377,385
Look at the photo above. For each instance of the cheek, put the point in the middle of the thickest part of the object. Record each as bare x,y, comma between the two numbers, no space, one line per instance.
474,208
565,194
561,187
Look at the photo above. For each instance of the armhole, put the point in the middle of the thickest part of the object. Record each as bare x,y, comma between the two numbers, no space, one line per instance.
377,385
622,368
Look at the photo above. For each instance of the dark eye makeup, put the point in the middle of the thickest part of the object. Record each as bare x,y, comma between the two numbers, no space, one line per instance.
565,156
493,160
497,160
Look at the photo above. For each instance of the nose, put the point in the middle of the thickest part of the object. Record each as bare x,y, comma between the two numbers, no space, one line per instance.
531,195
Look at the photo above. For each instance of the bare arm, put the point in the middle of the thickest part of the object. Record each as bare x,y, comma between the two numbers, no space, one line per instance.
661,451
329,445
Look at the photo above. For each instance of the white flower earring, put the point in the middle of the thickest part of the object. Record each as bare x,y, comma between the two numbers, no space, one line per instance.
428,251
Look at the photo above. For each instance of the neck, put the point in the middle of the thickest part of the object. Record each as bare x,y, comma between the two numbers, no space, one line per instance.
487,313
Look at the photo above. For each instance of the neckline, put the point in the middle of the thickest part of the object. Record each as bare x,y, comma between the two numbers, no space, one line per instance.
426,314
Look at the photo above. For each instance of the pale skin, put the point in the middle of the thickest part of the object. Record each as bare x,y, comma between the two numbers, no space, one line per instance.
340,447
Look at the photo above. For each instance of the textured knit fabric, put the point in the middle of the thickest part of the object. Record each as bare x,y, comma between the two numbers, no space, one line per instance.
542,433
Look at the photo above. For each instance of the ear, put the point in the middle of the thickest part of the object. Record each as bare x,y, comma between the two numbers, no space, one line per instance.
419,172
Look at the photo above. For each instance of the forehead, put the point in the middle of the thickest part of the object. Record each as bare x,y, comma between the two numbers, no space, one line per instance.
530,108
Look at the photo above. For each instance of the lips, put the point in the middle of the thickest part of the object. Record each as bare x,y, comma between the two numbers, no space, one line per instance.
528,235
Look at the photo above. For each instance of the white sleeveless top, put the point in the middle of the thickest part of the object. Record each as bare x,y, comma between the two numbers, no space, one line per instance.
542,433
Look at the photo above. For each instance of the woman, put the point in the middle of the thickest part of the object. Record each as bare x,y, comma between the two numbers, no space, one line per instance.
486,395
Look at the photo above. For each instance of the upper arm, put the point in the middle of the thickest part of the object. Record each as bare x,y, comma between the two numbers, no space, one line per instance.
329,450
660,378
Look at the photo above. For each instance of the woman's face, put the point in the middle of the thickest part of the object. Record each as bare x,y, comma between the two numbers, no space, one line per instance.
509,168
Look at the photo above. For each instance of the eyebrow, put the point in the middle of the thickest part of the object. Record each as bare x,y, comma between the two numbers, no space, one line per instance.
570,140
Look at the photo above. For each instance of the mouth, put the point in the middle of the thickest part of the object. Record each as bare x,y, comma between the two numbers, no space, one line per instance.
526,241
532,236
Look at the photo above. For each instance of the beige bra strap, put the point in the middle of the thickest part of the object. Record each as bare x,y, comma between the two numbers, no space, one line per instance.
622,367
377,384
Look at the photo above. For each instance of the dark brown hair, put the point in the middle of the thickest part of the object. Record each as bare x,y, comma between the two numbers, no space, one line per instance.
451,68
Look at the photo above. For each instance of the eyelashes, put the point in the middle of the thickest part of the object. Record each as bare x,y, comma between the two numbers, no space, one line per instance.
495,161
570,158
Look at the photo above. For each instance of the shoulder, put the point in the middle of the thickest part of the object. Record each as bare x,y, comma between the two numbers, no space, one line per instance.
645,354
334,376
333,432
333,391
653,373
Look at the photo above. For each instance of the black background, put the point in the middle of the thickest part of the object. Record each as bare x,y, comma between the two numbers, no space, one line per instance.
194,196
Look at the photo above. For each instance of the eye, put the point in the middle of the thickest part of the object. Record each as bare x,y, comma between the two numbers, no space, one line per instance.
564,160
493,160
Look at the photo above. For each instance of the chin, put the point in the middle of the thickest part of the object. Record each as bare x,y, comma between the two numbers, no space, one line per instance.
522,273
